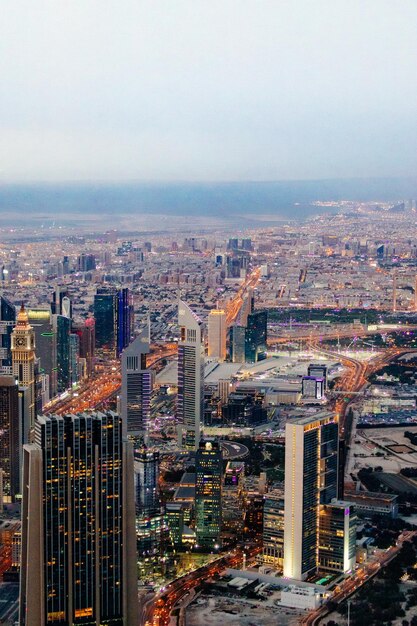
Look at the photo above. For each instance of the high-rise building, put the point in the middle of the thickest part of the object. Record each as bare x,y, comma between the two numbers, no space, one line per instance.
23,358
273,529
10,437
113,315
151,527
190,375
135,399
41,320
337,537
7,322
318,370
86,262
311,480
105,314
62,330
237,336
86,334
256,336
78,532
217,334
208,494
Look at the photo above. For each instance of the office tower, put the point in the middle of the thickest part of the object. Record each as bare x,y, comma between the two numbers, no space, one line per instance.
41,321
247,244
62,330
135,397
78,533
10,437
208,494
256,336
190,375
124,313
318,370
217,335
273,529
313,387
86,262
105,314
237,336
337,537
23,358
113,315
151,526
86,335
174,512
57,305
7,322
74,346
233,244
311,480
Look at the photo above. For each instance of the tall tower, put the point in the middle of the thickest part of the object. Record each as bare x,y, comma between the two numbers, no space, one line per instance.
23,358
311,479
415,294
190,375
8,321
217,334
394,291
10,448
135,398
208,494
78,533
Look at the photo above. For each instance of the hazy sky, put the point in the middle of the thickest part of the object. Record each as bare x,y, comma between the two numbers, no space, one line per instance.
207,90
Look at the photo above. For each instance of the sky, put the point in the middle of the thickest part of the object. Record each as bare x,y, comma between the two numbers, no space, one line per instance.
207,90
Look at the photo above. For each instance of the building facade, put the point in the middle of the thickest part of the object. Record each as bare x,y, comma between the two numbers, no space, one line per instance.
10,437
23,359
208,494
311,480
78,544
190,376
217,335
137,382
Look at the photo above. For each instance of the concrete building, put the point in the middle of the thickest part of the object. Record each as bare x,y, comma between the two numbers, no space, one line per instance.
135,397
23,359
217,334
190,376
273,529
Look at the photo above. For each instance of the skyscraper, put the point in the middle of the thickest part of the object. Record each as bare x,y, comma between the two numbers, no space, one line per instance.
190,375
78,537
337,537
86,334
105,314
62,329
208,494
113,315
23,358
136,388
217,334
311,478
7,322
273,529
255,336
10,437
151,527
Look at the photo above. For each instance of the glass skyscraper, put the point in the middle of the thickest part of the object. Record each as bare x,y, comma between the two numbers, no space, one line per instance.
78,551
208,494
311,480
7,322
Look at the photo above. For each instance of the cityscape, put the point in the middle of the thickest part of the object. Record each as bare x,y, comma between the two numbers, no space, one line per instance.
208,314
216,426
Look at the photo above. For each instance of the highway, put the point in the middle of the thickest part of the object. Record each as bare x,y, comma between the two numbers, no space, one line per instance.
95,392
156,611
234,305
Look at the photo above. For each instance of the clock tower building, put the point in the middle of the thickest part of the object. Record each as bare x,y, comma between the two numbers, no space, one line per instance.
23,358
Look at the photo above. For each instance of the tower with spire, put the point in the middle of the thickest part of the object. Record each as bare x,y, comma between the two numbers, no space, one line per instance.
23,358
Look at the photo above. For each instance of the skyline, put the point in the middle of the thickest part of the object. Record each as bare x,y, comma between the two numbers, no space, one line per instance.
237,91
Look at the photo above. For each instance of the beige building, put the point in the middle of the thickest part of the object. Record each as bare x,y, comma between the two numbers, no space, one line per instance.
217,334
